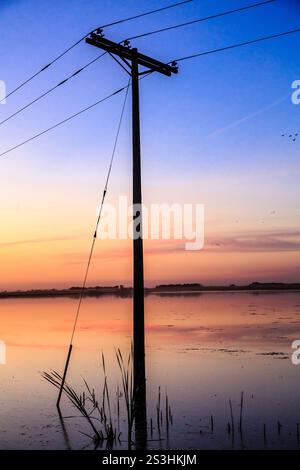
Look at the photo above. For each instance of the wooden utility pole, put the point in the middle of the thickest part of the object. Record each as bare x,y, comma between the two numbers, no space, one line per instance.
138,257
131,60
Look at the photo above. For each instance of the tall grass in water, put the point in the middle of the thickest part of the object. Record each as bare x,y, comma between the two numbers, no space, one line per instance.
128,390
97,411
80,402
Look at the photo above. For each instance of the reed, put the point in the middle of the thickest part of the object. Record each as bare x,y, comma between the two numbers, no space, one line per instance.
126,370
167,412
241,412
99,411
78,401
158,411
231,416
101,414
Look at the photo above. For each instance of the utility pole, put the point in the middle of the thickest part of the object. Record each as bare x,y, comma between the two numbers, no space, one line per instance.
132,59
138,256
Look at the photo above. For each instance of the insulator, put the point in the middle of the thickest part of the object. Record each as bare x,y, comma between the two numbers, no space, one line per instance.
127,43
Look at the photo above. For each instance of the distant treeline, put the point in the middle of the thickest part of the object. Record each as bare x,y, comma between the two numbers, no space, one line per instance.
231,287
70,292
120,290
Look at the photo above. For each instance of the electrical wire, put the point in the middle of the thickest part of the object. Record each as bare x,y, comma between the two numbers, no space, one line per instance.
133,37
69,118
100,213
62,54
253,41
200,54
62,82
92,248
217,15
158,10
50,90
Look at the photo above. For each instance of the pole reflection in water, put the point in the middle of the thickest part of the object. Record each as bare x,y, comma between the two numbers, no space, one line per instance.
140,410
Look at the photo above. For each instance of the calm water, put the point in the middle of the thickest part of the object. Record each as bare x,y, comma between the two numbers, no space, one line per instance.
204,349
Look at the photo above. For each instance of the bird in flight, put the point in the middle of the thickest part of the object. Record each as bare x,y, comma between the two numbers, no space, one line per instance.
292,137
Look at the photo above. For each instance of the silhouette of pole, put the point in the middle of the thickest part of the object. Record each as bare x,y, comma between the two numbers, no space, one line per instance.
138,258
131,60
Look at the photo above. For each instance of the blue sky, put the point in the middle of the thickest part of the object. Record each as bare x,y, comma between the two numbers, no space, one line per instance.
211,134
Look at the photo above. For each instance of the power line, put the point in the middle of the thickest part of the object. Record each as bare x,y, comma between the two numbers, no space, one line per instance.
156,31
62,82
173,5
62,54
50,90
133,37
69,118
92,248
100,213
62,122
265,38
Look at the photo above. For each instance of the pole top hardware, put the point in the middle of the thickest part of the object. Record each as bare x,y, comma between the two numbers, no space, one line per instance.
124,52
126,43
100,32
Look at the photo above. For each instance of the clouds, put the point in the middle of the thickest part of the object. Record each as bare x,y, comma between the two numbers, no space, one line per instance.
272,241
275,241
36,241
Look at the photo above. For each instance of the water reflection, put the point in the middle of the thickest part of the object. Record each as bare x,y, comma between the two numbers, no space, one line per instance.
64,430
205,349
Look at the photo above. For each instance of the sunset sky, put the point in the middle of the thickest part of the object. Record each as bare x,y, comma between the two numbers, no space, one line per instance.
210,135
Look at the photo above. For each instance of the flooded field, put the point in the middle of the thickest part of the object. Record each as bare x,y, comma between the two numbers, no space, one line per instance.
202,350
